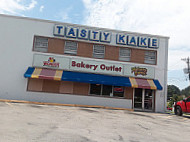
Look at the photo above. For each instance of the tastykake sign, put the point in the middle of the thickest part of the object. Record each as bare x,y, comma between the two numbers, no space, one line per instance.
139,71
92,66
91,34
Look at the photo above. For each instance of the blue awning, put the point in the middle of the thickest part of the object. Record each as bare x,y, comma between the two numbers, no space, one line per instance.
158,85
29,72
96,78
43,73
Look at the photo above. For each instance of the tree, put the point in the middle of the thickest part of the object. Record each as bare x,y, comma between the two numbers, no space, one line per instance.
186,91
172,89
173,99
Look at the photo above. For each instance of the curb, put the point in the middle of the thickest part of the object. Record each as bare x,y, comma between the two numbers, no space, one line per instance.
57,104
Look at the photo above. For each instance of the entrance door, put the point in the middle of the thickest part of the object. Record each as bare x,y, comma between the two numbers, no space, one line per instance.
138,98
148,99
143,99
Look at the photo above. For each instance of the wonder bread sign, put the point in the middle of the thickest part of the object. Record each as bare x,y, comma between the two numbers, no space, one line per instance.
101,36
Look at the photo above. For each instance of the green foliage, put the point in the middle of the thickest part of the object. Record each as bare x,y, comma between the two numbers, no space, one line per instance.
174,95
172,89
173,99
186,91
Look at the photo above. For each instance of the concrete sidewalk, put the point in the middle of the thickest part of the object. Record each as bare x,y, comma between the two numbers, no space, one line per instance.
44,123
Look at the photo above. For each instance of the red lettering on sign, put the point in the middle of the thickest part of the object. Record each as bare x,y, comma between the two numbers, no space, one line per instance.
102,67
110,68
94,67
49,64
73,63
87,66
82,65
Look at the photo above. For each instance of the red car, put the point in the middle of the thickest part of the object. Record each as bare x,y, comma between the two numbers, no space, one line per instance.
182,107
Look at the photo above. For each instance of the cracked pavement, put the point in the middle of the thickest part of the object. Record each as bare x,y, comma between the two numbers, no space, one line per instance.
44,123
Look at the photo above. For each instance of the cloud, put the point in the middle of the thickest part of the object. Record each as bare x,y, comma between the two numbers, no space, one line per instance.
160,17
14,6
41,8
63,15
31,5
175,62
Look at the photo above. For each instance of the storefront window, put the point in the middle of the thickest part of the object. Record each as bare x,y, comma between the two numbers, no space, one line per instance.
118,91
95,89
107,90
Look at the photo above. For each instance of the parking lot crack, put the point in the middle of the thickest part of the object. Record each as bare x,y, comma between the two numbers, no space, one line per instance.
120,138
143,127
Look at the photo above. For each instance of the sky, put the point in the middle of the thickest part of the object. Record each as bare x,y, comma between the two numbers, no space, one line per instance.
158,17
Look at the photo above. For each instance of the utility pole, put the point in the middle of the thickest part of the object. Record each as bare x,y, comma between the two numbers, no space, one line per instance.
187,71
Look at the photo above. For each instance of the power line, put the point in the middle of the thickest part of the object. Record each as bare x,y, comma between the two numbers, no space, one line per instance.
170,68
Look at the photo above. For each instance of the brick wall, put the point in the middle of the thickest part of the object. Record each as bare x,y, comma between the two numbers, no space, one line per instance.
86,50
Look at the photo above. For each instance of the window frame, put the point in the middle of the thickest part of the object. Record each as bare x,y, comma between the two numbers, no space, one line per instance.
122,58
111,94
36,48
119,87
94,54
70,51
149,60
95,94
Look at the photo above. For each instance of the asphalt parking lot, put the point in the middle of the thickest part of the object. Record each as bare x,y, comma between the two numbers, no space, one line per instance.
45,123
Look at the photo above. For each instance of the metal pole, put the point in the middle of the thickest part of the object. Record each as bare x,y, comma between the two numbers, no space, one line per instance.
188,67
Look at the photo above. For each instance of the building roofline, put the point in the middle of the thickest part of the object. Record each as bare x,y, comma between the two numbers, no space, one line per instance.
86,26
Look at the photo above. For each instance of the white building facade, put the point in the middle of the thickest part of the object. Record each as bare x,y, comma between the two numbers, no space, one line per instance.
47,61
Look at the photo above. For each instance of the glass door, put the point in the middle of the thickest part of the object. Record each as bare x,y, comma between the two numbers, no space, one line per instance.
148,99
138,98
143,99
